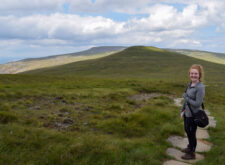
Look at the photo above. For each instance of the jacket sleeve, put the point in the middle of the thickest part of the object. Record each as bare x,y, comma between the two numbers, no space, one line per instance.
199,97
184,95
182,108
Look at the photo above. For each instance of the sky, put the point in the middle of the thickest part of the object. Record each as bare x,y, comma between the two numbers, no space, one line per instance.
38,28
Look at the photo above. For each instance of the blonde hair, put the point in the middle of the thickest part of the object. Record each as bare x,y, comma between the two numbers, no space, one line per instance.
200,70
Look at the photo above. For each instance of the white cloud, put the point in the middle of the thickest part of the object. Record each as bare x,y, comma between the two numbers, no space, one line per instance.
14,6
9,43
165,18
58,26
164,23
135,7
185,43
122,6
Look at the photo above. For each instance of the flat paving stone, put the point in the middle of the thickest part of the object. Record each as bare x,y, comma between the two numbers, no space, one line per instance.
182,142
212,123
177,155
207,112
201,134
145,96
211,117
177,101
174,162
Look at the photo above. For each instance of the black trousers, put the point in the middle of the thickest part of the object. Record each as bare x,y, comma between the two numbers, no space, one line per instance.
190,128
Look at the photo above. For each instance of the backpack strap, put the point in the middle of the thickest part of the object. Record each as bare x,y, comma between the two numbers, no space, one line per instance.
189,106
203,107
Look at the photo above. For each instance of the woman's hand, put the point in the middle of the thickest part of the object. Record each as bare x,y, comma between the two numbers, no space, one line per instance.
182,114
184,95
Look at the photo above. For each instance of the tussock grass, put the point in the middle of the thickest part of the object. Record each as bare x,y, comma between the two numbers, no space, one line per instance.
6,117
86,117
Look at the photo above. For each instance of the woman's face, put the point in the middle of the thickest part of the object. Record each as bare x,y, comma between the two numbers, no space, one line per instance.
194,75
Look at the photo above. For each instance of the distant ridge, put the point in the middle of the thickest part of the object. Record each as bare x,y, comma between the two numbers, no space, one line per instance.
99,52
137,61
203,55
55,60
101,49
91,51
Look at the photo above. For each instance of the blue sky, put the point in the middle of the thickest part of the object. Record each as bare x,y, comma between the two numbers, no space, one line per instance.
41,28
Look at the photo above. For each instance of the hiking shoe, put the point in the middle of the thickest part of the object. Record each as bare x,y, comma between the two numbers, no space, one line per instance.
186,150
188,156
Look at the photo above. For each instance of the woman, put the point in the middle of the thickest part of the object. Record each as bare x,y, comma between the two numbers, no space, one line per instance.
193,98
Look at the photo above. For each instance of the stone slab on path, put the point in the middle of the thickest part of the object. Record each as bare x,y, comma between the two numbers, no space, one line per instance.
177,101
177,155
207,112
174,162
211,118
201,134
145,96
182,142
212,121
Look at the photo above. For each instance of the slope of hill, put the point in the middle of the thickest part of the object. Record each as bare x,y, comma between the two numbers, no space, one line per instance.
37,63
145,62
203,55
81,113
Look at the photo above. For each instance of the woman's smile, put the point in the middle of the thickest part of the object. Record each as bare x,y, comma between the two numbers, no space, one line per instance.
194,75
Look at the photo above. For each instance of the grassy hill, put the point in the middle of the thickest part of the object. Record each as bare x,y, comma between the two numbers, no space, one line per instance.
81,113
203,55
37,63
136,62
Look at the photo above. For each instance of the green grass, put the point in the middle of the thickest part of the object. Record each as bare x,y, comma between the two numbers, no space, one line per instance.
23,66
85,116
203,55
209,57
137,62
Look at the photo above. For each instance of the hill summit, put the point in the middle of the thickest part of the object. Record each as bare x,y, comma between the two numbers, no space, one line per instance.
136,61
